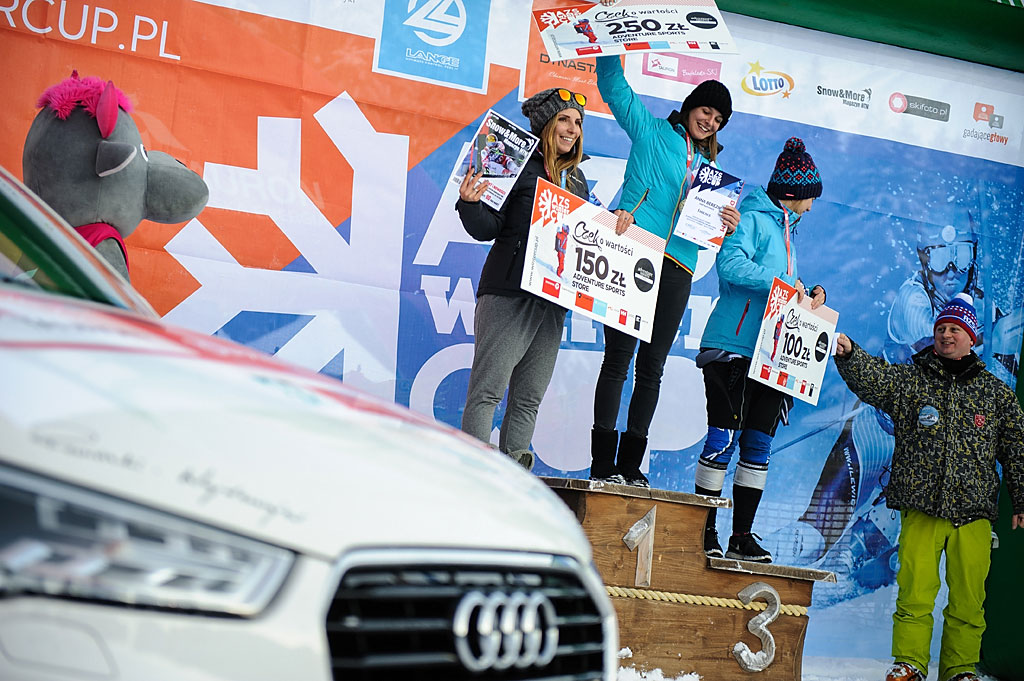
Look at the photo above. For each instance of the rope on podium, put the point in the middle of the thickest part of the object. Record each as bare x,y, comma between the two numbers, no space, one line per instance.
714,601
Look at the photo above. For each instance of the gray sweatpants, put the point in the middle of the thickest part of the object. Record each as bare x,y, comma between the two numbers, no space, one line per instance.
516,345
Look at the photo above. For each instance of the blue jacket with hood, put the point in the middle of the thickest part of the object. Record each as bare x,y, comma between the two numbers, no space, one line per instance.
657,161
748,262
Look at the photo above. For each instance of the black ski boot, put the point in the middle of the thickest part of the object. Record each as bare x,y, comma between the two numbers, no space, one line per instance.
602,456
631,455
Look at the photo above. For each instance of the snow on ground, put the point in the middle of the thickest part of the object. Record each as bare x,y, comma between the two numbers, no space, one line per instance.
814,669
632,674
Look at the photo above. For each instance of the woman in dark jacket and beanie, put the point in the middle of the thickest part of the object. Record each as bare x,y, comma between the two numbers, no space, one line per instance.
517,334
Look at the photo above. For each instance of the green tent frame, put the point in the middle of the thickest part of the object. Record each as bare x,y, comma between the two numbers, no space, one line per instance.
987,32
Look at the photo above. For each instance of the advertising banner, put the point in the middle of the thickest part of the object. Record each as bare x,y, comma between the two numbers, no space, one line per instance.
794,344
575,258
589,30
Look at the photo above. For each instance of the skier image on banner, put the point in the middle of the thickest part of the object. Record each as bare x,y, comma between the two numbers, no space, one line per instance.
775,338
846,527
495,161
561,240
583,27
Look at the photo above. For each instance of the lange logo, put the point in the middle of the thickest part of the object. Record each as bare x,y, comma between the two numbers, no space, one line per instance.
438,25
762,83
919,106
499,630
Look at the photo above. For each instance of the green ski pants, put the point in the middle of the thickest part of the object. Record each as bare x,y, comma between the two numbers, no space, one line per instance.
968,549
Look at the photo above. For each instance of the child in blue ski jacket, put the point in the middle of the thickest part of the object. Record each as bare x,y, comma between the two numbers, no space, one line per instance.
740,410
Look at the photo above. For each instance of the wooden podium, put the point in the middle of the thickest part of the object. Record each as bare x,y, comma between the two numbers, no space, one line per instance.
679,610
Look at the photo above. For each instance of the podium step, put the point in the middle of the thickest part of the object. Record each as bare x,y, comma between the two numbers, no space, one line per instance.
679,610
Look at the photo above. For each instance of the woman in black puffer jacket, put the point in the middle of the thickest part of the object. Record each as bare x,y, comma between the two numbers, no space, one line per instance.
517,334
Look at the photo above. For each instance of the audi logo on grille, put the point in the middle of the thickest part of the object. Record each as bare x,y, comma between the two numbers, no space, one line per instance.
500,630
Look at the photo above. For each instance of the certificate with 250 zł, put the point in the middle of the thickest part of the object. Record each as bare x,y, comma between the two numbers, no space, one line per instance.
574,258
794,344
590,30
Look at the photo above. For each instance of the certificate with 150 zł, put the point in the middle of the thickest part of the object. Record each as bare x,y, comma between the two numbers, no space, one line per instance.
574,258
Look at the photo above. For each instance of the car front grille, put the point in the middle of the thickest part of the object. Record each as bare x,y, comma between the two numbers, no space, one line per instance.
421,621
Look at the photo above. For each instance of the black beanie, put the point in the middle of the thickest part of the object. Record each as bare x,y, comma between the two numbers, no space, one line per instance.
544,105
709,93
795,175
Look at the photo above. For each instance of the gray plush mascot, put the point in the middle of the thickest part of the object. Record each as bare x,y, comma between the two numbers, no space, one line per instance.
84,156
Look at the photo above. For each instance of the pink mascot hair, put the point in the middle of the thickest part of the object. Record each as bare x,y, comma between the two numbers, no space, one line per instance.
73,92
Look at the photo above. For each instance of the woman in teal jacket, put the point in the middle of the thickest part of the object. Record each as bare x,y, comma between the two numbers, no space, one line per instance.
741,410
661,161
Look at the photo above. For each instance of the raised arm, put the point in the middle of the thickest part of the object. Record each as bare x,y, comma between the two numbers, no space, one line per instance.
870,378
629,111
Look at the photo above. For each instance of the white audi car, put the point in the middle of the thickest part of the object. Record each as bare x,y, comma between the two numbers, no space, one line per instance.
174,506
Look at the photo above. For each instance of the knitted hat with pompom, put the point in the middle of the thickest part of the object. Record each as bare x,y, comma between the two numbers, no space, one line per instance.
795,175
960,311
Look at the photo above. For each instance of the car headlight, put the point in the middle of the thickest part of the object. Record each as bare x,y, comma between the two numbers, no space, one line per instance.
62,540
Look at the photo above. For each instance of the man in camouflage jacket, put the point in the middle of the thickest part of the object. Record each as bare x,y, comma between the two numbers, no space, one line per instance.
953,421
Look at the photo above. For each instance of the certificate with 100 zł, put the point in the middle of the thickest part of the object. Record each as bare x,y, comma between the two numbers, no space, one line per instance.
794,344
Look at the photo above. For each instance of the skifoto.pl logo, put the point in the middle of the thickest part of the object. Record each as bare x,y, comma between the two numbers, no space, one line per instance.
762,83
987,113
435,22
919,106
859,99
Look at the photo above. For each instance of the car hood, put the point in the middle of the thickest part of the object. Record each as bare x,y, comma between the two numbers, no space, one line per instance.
216,432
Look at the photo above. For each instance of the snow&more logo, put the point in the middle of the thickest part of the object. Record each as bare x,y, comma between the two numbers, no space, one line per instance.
859,99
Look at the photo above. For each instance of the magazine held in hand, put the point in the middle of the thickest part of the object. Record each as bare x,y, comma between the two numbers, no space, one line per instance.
500,148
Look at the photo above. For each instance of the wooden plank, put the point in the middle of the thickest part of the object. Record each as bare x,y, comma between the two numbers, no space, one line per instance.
679,638
592,486
649,548
678,562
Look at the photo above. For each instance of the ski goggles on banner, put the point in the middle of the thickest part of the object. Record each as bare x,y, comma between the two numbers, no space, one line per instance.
959,256
566,95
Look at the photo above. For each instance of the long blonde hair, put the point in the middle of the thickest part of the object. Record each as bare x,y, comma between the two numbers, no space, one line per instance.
555,162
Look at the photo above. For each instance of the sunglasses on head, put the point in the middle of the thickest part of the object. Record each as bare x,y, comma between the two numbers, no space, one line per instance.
567,95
